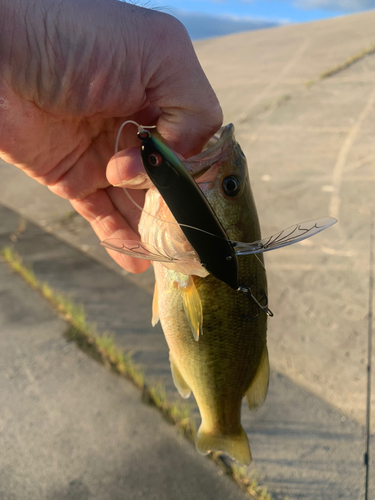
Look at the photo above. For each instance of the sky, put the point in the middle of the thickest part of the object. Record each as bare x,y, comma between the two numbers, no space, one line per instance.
209,18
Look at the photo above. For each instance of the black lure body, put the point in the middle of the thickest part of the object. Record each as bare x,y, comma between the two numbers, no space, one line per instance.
191,210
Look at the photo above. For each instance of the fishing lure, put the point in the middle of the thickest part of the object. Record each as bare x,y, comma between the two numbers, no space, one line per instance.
196,218
191,209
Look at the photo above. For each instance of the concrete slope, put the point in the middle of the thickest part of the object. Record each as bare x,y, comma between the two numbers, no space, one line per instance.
302,447
311,152
249,71
72,430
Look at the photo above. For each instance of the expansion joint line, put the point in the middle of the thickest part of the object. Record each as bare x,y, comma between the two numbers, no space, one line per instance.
369,354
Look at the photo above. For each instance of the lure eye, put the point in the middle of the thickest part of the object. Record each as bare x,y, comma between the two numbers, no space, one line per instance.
231,185
155,159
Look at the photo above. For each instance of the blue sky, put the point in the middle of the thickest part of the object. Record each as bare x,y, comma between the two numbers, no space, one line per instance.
204,18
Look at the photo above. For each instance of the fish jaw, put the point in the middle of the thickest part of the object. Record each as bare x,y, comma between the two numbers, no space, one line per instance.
224,157
213,154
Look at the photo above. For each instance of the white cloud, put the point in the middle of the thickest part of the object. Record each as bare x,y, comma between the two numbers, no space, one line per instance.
333,5
200,25
336,5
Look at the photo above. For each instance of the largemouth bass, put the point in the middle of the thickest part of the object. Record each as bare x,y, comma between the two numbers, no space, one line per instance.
230,360
215,328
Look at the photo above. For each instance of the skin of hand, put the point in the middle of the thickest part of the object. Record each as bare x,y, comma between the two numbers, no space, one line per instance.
70,73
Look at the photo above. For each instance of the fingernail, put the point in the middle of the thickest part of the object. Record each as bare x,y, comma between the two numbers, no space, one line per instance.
136,181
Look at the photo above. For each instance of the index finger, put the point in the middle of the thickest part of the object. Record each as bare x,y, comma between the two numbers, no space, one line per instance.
99,208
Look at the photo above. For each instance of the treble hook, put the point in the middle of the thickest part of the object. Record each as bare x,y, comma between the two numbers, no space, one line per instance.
265,308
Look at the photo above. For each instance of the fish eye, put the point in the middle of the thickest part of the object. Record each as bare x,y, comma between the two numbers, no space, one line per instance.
231,185
155,159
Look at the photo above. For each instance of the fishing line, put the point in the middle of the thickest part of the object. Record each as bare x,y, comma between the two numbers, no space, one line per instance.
140,128
261,263
369,357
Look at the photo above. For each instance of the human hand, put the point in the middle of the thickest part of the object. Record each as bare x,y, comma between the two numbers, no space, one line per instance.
70,73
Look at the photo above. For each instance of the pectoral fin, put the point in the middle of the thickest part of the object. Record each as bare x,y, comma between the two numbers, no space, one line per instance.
155,306
178,380
257,392
192,306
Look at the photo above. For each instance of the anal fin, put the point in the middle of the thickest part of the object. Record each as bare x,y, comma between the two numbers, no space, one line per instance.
257,392
192,305
155,306
178,380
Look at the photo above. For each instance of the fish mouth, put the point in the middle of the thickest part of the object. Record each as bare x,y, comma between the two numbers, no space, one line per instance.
214,151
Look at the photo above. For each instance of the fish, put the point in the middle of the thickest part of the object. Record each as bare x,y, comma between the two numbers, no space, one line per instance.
230,360
215,324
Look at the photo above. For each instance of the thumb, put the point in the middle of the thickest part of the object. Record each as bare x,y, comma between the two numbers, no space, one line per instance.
187,131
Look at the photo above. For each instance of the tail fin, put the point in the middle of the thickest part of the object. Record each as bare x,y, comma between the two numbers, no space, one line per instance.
235,445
